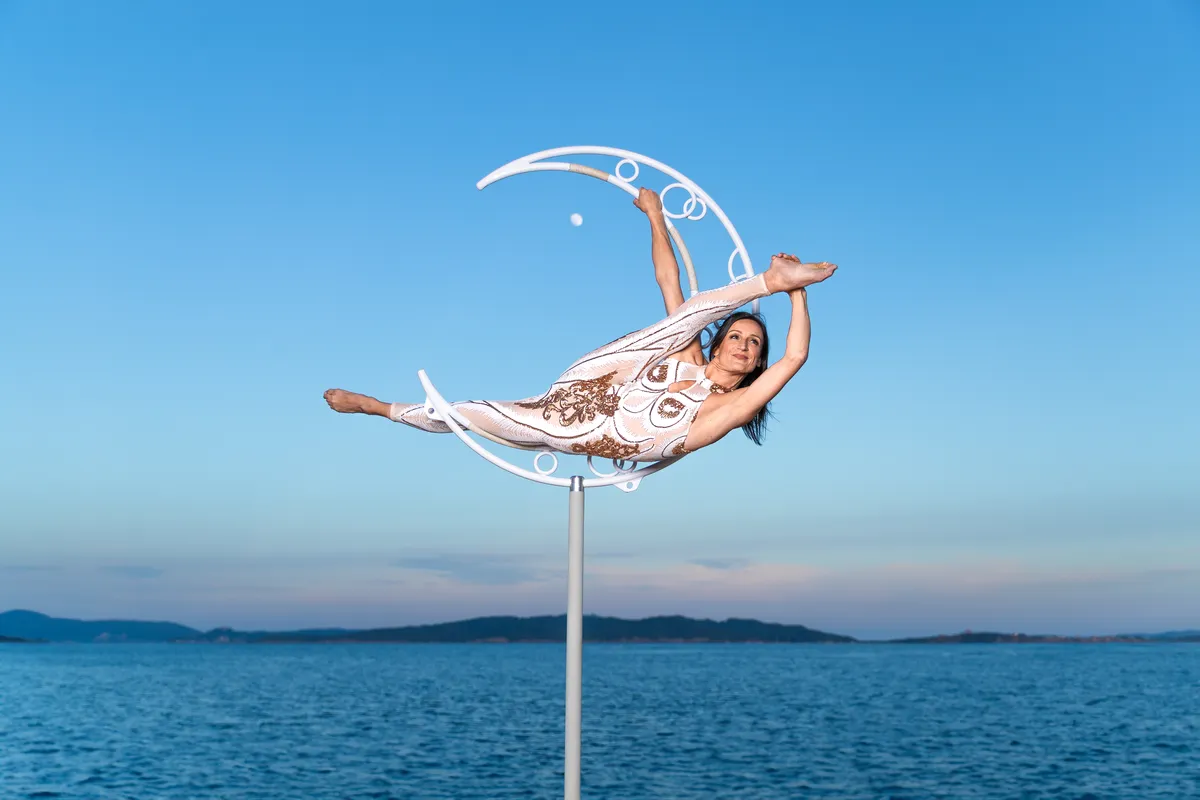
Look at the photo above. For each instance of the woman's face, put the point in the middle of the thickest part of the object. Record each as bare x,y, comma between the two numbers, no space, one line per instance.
741,348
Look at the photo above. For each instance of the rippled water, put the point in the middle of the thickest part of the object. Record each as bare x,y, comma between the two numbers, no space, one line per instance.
480,721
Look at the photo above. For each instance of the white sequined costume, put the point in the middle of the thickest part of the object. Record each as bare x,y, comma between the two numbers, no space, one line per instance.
615,402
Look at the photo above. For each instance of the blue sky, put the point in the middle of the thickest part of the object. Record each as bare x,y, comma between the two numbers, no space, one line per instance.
210,213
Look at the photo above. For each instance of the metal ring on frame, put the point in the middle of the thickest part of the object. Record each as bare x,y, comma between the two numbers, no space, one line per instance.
636,170
538,458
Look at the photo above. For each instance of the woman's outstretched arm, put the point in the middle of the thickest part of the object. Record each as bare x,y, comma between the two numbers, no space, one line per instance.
666,268
745,403
776,376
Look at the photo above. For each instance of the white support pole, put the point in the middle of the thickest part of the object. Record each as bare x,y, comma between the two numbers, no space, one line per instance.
574,640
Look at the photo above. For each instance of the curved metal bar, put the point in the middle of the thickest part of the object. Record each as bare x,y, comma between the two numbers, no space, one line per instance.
465,423
625,186
627,481
535,162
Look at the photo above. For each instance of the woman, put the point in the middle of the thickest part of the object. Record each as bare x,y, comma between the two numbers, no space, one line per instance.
651,394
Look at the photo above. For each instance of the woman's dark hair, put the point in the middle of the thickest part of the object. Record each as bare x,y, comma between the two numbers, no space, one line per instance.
754,428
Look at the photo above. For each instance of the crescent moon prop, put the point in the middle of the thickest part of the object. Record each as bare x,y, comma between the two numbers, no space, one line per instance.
697,205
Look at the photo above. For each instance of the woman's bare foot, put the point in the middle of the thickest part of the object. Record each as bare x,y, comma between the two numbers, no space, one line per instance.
788,273
350,403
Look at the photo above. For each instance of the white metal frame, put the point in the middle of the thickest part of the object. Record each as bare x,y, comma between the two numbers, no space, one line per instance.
625,476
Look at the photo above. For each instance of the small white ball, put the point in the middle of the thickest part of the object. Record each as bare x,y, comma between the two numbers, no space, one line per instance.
576,220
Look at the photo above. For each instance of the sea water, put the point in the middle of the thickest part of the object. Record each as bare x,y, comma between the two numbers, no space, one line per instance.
659,721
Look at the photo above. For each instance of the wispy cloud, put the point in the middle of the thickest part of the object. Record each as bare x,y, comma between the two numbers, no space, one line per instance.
135,572
487,570
1074,525
611,555
720,563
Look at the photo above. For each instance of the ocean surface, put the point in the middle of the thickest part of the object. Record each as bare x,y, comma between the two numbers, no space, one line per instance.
673,721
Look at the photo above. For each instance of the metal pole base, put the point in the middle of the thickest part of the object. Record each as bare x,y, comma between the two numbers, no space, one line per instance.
574,639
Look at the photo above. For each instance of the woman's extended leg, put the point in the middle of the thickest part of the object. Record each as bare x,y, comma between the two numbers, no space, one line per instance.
585,397
506,420
632,355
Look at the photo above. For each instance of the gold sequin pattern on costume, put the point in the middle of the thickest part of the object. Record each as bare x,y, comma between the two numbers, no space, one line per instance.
670,407
579,401
606,447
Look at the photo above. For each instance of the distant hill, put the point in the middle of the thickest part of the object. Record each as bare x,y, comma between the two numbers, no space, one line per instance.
553,629
32,625
984,637
12,640
1182,636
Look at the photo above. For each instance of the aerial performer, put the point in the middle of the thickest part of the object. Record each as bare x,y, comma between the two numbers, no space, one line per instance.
653,394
